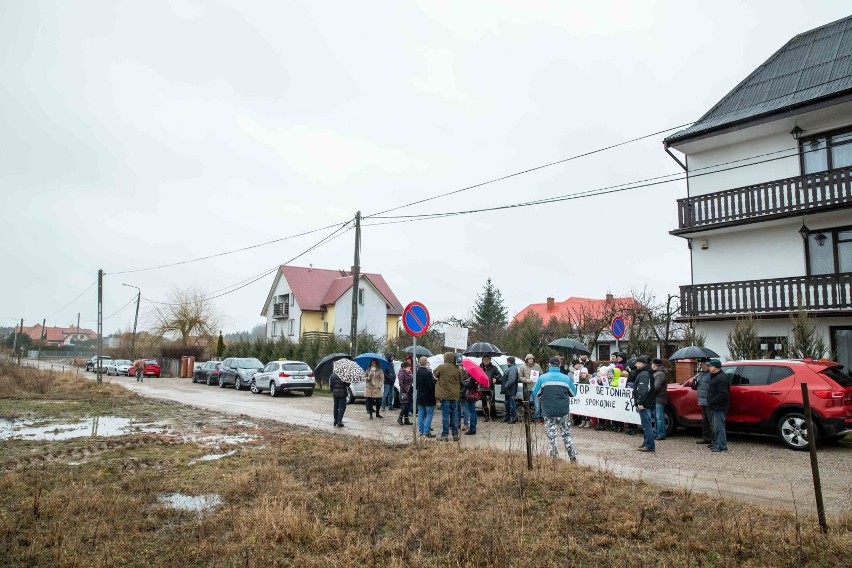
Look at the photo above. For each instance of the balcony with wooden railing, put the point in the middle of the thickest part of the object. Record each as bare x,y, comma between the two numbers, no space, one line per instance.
790,197
281,310
827,292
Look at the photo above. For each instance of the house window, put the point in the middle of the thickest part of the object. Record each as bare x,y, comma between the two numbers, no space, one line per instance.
291,327
773,347
826,152
603,352
292,299
274,328
325,326
829,251
360,296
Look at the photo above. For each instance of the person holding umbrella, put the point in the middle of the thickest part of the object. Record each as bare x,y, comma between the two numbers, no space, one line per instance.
340,392
374,378
489,405
342,371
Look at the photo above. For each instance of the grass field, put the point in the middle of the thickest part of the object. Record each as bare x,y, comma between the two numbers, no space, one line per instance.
295,497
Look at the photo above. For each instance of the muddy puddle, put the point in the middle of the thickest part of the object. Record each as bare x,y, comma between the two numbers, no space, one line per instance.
192,503
95,426
212,457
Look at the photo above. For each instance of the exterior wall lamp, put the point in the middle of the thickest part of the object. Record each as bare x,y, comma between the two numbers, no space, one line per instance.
804,231
820,238
797,132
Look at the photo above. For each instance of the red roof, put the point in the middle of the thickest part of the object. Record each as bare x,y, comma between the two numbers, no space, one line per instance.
576,308
56,334
318,287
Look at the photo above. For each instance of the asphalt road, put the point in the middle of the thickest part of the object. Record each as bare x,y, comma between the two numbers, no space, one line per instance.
757,469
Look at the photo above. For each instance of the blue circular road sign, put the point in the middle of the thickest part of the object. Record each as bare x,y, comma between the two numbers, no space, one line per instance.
618,327
415,319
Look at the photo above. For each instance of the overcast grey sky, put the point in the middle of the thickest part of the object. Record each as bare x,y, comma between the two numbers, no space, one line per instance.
141,133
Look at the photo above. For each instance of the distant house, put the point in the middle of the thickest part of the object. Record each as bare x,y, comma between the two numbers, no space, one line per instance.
580,312
768,211
57,336
317,301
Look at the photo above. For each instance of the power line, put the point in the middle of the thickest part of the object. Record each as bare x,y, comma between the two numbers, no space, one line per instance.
133,299
344,227
526,171
77,297
188,261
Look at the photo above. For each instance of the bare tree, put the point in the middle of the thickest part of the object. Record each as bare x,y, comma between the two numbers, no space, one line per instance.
188,313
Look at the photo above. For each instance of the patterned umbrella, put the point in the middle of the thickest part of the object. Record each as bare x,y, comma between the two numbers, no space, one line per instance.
483,350
349,371
323,368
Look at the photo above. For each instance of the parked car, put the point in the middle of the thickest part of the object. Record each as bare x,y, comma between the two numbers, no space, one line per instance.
118,367
766,398
92,363
284,376
212,376
151,368
238,371
200,374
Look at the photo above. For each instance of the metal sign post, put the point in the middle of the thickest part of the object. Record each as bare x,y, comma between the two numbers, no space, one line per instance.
415,320
617,327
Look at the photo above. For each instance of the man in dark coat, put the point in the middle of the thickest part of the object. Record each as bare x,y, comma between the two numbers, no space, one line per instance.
489,406
661,381
699,383
643,396
387,390
510,391
424,383
718,400
340,392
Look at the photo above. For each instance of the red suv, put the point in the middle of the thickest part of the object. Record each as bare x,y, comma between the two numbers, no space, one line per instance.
766,397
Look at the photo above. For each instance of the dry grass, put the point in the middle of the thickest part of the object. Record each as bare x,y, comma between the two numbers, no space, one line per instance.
307,499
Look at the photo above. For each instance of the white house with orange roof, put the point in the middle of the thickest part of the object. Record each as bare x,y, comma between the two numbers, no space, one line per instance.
318,300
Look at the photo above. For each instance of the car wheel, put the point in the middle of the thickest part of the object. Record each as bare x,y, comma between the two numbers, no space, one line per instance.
273,390
253,387
89,368
671,422
793,431
351,398
194,380
309,392
208,380
221,382
237,384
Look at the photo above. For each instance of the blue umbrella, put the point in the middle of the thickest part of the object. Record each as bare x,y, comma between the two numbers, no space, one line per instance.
364,360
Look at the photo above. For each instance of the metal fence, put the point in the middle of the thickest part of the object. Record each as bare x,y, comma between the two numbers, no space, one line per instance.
61,353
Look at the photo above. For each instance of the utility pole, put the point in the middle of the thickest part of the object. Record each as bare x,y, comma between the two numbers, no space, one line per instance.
135,319
100,322
356,269
77,337
14,340
21,352
41,338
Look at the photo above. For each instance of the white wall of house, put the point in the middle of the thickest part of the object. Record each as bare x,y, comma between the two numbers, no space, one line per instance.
717,331
282,326
372,314
727,176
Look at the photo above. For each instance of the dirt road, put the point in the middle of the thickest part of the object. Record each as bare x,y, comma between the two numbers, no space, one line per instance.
757,469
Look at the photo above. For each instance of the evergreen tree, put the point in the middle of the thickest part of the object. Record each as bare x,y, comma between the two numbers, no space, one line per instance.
220,346
743,341
489,316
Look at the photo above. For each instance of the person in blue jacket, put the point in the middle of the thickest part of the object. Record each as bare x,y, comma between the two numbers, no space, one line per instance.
554,392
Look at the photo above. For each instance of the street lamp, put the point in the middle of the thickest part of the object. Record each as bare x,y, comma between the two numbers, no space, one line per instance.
135,318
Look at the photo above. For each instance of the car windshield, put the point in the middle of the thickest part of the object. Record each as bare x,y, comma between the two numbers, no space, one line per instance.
296,367
151,362
838,376
249,364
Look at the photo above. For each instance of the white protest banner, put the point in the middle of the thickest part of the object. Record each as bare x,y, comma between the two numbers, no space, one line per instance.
455,337
602,401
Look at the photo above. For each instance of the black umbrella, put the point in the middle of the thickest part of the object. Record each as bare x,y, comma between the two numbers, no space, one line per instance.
693,352
568,345
324,367
483,350
420,352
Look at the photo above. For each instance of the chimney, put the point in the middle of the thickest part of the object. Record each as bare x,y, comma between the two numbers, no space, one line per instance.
609,298
550,305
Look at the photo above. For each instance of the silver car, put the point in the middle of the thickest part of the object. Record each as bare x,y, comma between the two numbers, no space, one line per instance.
356,391
118,367
284,376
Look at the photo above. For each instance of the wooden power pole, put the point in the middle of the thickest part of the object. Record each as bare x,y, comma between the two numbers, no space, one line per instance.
100,322
356,269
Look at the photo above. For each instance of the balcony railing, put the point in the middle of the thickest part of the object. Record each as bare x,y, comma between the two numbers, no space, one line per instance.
281,310
824,292
774,199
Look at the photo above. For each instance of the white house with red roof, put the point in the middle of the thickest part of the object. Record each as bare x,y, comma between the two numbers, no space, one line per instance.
768,211
317,300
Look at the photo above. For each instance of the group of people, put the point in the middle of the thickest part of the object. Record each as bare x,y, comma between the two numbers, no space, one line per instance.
456,392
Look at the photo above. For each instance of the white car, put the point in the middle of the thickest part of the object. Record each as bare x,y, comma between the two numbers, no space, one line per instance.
284,376
118,367
93,362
